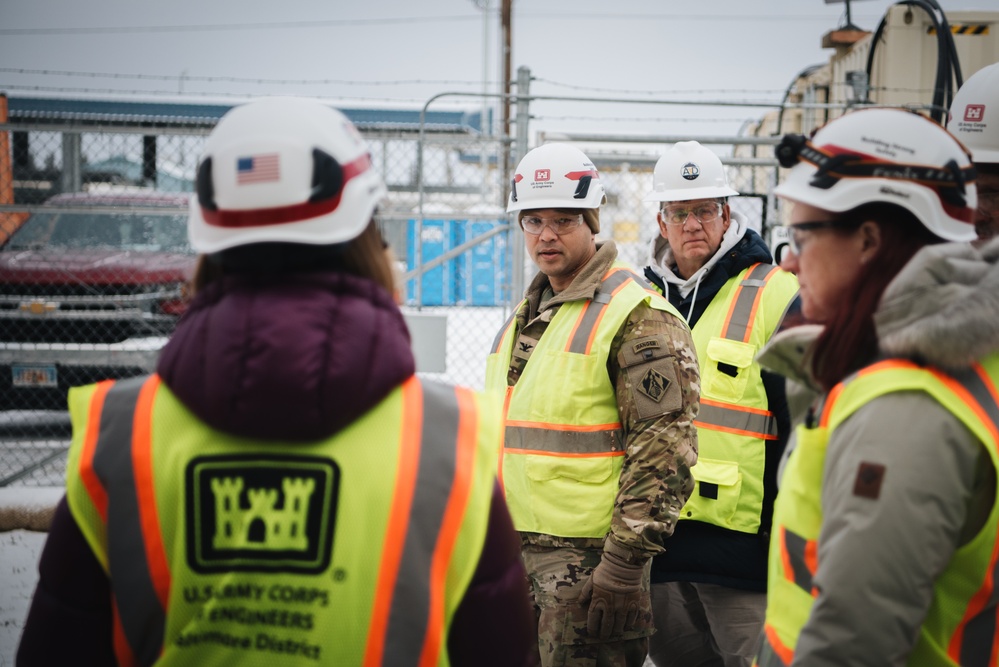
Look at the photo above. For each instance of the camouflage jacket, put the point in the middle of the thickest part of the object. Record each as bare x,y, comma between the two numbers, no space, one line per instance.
659,450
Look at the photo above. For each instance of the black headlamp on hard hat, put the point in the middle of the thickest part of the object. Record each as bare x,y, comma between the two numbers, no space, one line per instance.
949,180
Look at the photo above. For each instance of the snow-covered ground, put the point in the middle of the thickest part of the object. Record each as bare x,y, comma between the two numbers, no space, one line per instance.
19,551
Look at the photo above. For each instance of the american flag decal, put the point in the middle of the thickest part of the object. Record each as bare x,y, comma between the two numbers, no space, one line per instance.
258,169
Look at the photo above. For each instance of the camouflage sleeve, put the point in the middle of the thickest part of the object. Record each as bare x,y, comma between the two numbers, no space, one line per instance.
657,381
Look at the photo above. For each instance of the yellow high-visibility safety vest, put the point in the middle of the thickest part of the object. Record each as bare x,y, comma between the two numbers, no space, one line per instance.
735,421
352,550
960,627
564,448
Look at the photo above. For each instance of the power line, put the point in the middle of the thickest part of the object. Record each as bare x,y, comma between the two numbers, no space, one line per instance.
409,20
234,79
228,27
174,94
646,92
348,82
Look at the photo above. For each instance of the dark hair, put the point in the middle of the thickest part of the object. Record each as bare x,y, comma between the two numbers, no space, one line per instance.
366,256
849,341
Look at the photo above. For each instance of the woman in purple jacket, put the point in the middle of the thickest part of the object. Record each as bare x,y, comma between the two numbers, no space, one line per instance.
292,358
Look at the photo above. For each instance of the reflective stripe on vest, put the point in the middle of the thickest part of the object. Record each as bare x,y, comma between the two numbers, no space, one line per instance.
772,653
408,624
961,620
800,559
738,325
586,326
140,576
506,328
409,636
728,418
975,642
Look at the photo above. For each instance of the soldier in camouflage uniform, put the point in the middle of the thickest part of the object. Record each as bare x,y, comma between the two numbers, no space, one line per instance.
589,577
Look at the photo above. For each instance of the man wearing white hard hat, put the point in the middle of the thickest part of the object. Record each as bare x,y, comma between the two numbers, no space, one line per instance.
283,490
600,382
709,586
974,120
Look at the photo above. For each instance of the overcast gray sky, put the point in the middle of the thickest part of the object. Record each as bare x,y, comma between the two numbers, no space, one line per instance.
390,52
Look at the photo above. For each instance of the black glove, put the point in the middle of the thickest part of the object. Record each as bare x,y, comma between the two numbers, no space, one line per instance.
615,591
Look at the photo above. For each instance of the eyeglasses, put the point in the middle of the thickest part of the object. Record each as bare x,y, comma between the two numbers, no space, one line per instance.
798,232
563,224
703,213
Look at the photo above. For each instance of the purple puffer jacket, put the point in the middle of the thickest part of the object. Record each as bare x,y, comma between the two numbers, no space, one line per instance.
294,358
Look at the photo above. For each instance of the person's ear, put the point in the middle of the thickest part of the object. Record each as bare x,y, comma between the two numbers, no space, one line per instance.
870,240
661,222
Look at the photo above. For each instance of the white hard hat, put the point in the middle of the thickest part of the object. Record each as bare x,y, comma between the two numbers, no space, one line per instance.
884,156
974,114
283,169
688,171
555,176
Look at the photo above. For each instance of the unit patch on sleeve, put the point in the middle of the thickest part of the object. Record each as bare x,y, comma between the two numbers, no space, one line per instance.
654,385
260,513
870,476
651,370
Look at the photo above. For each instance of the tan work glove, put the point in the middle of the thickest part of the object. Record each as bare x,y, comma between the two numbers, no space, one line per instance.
616,591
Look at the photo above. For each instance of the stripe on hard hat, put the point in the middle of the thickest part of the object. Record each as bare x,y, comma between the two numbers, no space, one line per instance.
232,218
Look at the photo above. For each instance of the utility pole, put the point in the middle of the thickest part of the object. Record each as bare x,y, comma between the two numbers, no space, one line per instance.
506,13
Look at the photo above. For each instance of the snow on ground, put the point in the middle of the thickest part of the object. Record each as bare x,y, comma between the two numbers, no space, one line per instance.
19,552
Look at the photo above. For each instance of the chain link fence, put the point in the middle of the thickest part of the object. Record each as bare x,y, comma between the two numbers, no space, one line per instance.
94,261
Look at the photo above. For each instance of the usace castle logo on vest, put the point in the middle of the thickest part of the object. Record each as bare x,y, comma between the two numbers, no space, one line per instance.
255,514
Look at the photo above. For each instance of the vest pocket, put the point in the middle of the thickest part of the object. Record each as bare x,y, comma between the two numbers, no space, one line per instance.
725,373
587,470
572,496
716,493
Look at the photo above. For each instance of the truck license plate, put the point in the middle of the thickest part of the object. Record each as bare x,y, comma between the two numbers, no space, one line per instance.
35,376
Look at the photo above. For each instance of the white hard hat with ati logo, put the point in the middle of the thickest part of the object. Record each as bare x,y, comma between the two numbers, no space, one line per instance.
689,171
283,169
555,176
974,114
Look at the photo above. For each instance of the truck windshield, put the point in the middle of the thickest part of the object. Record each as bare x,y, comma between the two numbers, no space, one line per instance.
124,231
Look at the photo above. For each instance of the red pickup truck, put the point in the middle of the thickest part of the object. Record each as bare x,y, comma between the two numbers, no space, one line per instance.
90,289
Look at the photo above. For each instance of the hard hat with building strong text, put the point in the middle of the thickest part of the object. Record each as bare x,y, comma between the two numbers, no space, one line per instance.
689,171
884,156
974,114
284,169
555,176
